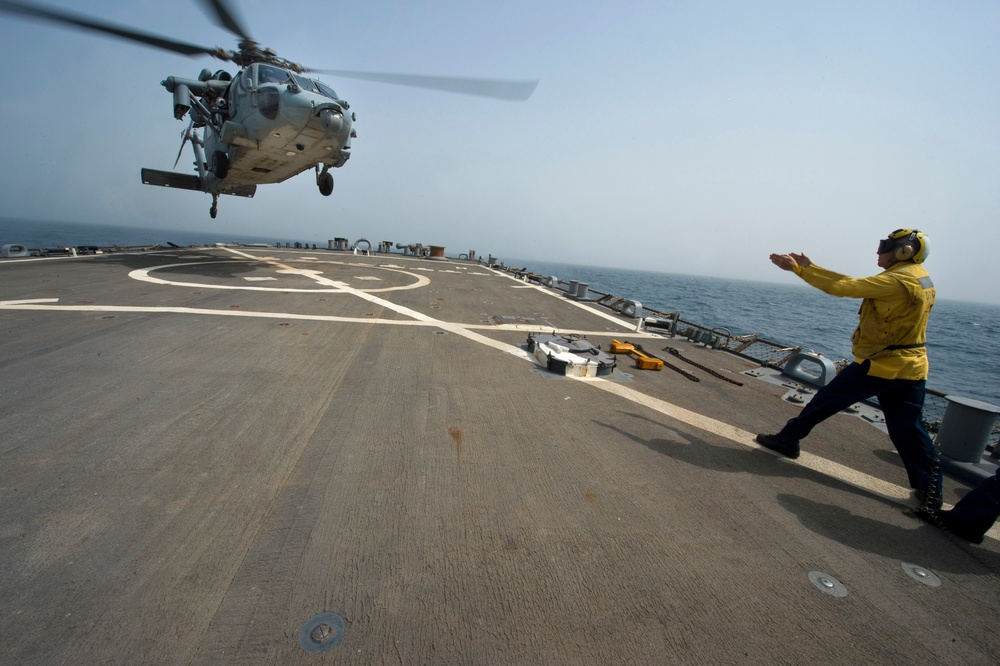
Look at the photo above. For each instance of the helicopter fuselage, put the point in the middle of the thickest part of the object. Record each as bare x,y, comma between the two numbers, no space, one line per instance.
268,123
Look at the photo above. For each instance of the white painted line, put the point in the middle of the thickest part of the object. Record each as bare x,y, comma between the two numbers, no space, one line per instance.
328,286
249,314
30,300
582,305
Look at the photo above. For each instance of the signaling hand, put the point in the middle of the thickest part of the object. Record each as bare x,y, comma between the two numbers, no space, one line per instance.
787,262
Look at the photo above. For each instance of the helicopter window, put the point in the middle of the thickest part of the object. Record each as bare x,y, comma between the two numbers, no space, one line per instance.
326,90
268,74
304,83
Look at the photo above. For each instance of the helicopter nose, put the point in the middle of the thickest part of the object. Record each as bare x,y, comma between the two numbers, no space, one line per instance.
332,119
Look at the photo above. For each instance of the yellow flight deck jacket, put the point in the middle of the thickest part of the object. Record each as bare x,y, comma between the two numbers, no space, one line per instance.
892,326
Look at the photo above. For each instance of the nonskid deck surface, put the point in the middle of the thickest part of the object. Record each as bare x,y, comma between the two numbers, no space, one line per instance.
205,449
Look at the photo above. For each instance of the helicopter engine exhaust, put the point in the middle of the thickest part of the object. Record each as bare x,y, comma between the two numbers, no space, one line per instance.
182,100
184,89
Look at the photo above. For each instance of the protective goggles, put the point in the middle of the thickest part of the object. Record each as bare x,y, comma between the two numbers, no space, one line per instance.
890,244
887,245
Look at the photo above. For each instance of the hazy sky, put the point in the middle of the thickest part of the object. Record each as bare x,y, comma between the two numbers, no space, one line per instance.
686,137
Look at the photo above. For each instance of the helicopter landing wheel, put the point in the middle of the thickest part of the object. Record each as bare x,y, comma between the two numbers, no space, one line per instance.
326,184
220,164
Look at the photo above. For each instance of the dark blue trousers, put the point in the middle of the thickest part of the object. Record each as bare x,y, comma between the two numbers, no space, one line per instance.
977,511
902,402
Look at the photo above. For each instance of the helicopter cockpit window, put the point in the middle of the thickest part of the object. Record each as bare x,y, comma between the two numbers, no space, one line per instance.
326,90
304,83
269,74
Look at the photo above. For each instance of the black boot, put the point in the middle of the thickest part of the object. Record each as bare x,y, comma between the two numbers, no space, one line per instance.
775,443
946,521
975,513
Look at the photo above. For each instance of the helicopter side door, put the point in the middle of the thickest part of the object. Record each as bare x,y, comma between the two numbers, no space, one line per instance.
240,102
240,96
247,100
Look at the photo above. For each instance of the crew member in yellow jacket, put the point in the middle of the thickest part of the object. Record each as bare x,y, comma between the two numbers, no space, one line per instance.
890,355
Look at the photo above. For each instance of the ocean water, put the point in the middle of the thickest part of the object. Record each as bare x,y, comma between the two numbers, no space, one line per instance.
37,234
963,338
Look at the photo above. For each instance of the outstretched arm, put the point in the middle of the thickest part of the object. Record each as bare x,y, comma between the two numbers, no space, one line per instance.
878,286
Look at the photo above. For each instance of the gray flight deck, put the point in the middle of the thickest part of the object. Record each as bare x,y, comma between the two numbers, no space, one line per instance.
203,450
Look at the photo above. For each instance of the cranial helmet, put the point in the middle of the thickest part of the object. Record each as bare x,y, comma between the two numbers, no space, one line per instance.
906,245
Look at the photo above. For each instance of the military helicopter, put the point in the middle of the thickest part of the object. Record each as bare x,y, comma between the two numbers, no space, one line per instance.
268,121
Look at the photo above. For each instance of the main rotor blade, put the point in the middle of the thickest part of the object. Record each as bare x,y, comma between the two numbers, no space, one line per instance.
496,88
80,21
226,17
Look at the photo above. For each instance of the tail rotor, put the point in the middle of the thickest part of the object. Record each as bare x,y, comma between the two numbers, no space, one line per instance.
185,136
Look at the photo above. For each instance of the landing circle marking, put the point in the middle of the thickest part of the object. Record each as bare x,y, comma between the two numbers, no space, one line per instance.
144,274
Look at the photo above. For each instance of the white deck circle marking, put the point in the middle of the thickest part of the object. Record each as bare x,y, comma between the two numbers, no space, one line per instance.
327,286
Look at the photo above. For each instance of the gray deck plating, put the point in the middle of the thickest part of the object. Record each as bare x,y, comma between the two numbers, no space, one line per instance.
205,451
800,394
